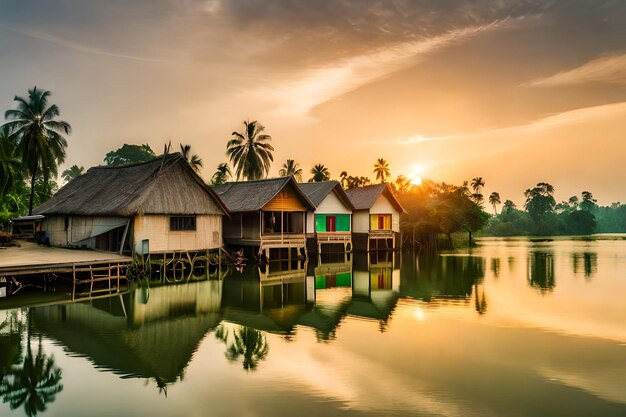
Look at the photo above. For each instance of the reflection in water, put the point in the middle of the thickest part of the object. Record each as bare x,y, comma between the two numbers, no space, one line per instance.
495,267
589,261
34,383
245,342
149,333
541,271
442,279
322,320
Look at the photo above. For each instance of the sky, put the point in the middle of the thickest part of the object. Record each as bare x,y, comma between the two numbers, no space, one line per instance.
514,91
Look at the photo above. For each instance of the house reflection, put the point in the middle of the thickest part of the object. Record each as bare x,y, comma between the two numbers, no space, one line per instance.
132,335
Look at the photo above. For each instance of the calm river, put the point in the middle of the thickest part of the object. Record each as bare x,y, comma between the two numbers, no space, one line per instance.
511,328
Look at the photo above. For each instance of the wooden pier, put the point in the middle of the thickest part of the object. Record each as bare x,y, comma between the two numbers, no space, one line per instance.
90,273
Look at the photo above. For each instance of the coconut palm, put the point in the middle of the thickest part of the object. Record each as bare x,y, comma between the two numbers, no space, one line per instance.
250,152
290,168
494,200
320,173
477,184
381,169
10,165
72,172
222,174
343,177
193,159
40,143
402,184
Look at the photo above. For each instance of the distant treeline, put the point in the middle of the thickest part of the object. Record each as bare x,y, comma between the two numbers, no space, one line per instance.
542,215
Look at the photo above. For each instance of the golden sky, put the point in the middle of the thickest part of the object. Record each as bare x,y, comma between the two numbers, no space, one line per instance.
515,91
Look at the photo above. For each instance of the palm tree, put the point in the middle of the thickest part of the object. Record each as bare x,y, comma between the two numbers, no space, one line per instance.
320,173
222,174
72,172
508,206
381,169
10,164
193,159
290,168
39,138
250,153
477,184
494,200
343,177
402,184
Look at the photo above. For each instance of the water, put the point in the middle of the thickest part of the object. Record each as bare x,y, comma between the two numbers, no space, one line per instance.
512,328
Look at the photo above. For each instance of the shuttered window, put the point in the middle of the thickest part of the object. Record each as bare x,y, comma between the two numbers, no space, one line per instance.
182,223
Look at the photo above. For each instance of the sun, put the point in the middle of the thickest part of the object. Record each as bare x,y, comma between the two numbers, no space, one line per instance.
416,180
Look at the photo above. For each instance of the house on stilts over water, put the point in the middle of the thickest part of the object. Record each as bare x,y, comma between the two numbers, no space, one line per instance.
331,222
376,218
160,206
267,215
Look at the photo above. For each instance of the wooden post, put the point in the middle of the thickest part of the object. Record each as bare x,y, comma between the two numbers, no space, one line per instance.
73,282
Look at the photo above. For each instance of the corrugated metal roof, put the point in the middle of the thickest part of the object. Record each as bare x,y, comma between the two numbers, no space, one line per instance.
243,196
317,192
363,198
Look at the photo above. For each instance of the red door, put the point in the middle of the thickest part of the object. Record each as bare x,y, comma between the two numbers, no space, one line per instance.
381,222
331,224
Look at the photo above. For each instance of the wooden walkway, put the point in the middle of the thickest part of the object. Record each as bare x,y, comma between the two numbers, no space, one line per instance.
31,258
91,272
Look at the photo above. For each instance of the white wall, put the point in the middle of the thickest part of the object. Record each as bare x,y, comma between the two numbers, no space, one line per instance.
361,221
384,206
156,228
330,205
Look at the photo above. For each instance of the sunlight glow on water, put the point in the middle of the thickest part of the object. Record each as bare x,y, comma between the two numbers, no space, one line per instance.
511,328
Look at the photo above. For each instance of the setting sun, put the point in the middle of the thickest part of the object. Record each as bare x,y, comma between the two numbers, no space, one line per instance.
416,180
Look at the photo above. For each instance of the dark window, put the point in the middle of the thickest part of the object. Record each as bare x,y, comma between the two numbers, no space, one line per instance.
183,223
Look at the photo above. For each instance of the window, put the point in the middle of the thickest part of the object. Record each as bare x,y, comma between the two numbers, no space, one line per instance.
182,223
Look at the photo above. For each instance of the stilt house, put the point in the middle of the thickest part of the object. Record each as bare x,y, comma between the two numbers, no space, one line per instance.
266,214
331,222
376,218
158,206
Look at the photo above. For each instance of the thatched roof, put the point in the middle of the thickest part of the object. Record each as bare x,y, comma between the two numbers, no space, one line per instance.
164,185
363,198
317,192
246,196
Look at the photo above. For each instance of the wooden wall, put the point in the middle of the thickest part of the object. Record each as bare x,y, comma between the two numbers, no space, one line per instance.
286,200
156,228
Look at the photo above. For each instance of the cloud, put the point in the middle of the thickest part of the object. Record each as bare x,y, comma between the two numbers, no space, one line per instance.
544,123
319,85
606,69
75,45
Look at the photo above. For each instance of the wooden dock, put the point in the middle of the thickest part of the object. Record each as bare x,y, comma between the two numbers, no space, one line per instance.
90,272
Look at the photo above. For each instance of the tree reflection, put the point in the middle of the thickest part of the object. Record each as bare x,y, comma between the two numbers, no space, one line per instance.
34,383
247,343
541,271
10,341
589,261
480,302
